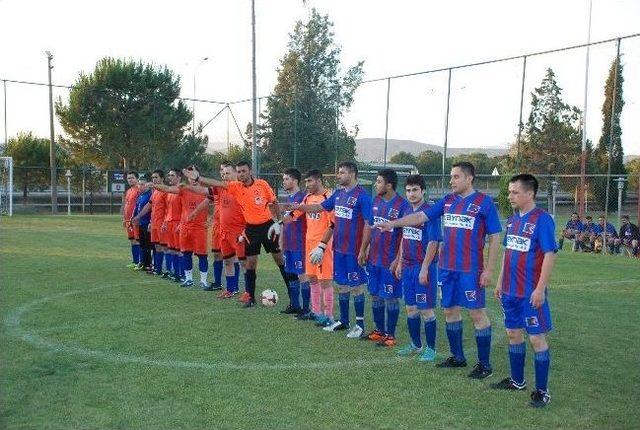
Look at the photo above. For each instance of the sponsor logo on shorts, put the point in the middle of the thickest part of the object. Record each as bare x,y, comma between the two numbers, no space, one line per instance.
470,295
412,233
532,322
298,264
459,221
421,298
343,212
388,288
518,243
353,276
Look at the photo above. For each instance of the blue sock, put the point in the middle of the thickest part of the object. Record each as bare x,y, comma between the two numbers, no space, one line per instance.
294,286
541,362
393,311
157,261
454,334
217,271
430,330
203,263
187,261
358,305
413,324
517,354
232,283
305,289
162,261
377,309
181,265
169,261
483,340
135,253
343,299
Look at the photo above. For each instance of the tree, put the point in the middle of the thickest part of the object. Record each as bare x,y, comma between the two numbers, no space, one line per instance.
300,126
430,162
403,157
31,161
601,152
122,112
633,167
552,140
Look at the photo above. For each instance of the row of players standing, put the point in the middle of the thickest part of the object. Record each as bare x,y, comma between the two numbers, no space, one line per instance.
390,246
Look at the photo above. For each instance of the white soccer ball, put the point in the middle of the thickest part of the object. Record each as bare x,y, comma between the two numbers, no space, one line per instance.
269,298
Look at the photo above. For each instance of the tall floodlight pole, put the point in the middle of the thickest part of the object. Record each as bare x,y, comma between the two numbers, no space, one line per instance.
193,105
254,116
583,154
52,142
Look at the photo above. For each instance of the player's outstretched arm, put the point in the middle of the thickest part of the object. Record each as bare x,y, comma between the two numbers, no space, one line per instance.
173,189
201,206
487,272
538,295
406,221
306,208
198,189
194,175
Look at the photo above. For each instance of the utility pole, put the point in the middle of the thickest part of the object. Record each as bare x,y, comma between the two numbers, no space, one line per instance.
52,142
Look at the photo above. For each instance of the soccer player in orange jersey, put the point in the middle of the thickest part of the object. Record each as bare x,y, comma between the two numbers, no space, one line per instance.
318,261
170,228
260,209
129,199
193,231
158,213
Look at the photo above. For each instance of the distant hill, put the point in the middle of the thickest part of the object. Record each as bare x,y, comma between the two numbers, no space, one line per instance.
372,149
630,157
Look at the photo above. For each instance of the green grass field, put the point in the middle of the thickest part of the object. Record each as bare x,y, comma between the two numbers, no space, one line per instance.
86,343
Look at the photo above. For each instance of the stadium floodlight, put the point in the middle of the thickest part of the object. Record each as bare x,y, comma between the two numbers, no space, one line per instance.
6,186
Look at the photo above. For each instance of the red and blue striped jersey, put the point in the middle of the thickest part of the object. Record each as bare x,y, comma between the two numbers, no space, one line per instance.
293,233
383,247
466,220
352,208
416,238
527,239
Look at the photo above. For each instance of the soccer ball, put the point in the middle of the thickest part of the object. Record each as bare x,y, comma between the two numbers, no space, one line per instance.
269,298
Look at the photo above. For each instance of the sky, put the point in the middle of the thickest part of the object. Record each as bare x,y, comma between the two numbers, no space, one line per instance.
392,38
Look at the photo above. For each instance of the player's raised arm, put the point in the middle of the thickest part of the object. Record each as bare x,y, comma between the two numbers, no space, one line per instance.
406,221
195,176
198,189
173,189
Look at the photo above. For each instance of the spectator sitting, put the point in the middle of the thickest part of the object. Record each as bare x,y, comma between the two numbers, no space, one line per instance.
610,235
586,236
572,231
628,238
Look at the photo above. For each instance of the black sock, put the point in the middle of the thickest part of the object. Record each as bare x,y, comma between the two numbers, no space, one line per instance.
285,275
250,282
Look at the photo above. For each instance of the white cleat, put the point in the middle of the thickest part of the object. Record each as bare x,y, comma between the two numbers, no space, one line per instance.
336,326
355,332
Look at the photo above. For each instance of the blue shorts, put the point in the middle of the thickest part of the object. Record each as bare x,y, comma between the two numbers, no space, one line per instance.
461,289
416,294
519,314
293,262
347,271
382,283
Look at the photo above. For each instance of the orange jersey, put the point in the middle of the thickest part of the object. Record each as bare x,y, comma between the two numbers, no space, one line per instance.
174,208
130,197
230,216
190,201
254,200
158,208
317,222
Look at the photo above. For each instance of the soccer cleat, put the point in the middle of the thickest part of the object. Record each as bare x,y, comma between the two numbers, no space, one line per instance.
290,310
187,284
374,336
355,332
539,399
480,371
387,341
166,275
326,323
321,320
215,286
408,350
226,294
205,287
138,267
305,316
427,355
509,384
244,298
452,362
249,304
336,326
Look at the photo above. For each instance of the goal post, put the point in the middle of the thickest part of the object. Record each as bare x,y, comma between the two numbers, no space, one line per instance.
6,186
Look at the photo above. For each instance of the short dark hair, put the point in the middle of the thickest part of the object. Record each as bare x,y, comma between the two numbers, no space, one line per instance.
588,217
466,167
625,217
575,213
389,176
416,180
193,167
528,182
226,163
313,173
243,163
601,216
159,172
350,166
177,171
294,173
134,173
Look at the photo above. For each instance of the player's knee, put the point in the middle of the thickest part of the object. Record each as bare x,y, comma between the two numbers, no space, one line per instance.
391,301
479,317
539,342
452,314
412,311
357,290
427,314
515,336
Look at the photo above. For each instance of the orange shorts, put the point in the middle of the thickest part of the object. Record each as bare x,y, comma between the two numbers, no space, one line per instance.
173,237
323,271
215,238
133,233
229,245
193,240
156,234
164,235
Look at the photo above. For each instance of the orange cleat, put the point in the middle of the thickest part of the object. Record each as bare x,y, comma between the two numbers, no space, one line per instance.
245,297
387,341
374,336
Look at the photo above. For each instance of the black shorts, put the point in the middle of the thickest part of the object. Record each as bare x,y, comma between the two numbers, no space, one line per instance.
257,236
